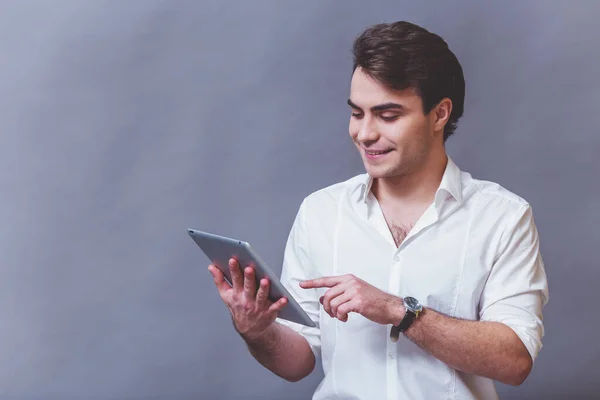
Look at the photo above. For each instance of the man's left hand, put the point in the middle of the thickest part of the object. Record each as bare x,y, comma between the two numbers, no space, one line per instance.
347,294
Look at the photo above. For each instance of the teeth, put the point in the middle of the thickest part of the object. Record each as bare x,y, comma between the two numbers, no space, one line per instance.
376,152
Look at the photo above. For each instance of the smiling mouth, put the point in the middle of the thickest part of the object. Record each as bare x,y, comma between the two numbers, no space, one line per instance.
376,153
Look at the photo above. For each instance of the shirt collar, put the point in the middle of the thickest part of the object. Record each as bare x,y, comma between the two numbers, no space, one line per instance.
451,183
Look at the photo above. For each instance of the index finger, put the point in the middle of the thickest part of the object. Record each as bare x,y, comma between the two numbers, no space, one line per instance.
219,278
328,281
236,275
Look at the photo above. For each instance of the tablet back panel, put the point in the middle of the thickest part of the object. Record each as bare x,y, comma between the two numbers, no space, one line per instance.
220,249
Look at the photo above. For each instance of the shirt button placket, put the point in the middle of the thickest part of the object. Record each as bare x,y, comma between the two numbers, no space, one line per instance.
392,367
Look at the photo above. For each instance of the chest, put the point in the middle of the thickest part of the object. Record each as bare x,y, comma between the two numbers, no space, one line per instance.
445,265
399,231
400,221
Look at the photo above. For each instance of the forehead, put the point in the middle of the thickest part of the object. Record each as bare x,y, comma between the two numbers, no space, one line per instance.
367,92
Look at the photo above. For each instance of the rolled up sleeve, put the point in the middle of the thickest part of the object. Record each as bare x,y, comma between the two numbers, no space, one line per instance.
297,266
517,287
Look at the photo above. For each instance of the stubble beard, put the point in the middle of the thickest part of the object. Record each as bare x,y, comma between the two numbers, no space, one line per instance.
406,164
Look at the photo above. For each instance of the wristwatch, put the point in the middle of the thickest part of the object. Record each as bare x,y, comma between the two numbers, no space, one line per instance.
413,309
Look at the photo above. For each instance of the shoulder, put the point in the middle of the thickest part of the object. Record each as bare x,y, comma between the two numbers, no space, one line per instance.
497,215
493,197
326,200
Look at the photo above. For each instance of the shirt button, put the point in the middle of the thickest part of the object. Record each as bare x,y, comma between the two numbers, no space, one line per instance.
391,355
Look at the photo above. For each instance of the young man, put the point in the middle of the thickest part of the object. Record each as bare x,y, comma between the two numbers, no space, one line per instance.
424,282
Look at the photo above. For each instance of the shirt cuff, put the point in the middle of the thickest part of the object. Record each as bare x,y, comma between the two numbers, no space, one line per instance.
527,325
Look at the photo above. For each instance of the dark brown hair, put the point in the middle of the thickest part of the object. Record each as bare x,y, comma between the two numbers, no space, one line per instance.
403,55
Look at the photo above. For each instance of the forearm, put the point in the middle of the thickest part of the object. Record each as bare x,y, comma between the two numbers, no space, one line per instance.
284,352
489,349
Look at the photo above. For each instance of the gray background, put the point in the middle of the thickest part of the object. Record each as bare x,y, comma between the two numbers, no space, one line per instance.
122,123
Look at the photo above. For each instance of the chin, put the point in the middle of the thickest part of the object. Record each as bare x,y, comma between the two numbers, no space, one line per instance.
380,171
384,171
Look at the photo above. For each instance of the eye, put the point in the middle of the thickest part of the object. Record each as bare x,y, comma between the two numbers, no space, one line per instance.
357,115
389,118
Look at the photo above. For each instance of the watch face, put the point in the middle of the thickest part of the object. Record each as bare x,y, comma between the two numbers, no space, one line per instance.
412,303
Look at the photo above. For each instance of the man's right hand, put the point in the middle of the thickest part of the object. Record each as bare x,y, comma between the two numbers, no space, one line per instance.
251,310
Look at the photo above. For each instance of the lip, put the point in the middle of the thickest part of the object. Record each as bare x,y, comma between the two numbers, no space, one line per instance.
369,154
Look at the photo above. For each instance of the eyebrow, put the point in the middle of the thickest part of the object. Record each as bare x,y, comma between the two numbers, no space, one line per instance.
379,107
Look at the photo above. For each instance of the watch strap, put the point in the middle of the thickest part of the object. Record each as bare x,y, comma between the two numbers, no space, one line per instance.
407,320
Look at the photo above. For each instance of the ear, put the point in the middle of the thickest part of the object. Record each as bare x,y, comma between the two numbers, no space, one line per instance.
441,114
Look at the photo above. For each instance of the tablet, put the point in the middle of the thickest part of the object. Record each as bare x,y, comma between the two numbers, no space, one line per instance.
220,249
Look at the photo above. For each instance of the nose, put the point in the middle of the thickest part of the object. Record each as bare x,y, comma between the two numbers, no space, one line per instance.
367,131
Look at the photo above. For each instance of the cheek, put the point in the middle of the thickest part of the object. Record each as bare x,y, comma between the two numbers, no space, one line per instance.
393,133
403,132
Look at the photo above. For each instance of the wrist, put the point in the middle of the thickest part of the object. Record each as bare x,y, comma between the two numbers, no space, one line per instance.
396,311
258,337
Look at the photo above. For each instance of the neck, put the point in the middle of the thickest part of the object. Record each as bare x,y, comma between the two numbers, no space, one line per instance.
416,187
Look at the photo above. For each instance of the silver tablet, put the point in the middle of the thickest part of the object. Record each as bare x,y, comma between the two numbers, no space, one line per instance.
220,249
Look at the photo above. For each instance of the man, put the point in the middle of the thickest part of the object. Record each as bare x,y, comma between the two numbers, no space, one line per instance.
424,282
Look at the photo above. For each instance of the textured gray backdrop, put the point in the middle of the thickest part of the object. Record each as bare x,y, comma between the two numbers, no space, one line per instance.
122,123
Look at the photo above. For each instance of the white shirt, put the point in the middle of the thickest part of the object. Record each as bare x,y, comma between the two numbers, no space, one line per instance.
474,254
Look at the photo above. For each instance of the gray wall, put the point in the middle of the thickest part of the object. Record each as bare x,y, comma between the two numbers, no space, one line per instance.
122,123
